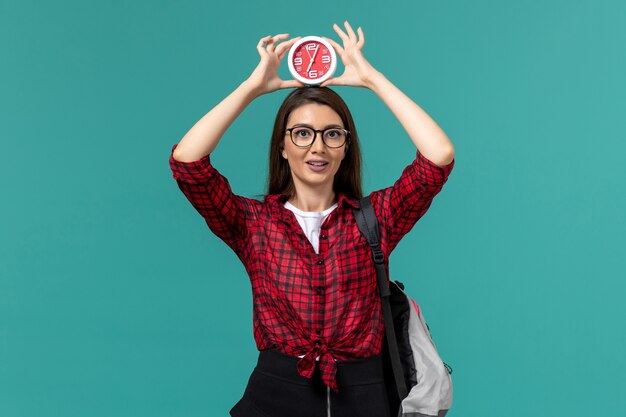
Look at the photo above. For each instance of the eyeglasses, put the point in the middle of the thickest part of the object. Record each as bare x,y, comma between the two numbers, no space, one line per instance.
333,137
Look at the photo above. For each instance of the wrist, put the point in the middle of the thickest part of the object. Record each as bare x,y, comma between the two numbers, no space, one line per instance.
374,80
250,89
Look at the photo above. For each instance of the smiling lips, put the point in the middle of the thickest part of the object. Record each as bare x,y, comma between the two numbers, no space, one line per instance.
317,165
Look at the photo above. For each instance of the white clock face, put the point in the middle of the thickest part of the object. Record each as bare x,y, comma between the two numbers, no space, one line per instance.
312,60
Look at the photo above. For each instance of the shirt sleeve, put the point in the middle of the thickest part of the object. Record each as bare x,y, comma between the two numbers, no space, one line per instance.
228,215
400,206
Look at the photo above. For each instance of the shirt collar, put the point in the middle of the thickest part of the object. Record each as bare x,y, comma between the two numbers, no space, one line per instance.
344,199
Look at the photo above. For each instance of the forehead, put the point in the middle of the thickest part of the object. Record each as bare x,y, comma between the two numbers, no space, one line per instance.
314,114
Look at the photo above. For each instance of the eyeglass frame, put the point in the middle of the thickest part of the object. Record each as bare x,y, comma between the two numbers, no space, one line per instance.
290,130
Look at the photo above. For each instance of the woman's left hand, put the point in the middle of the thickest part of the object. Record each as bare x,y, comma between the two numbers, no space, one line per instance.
358,72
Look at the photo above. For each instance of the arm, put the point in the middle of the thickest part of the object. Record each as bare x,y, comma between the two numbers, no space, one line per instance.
400,206
427,136
226,213
204,136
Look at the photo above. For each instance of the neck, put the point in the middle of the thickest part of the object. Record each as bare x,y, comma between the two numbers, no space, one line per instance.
309,199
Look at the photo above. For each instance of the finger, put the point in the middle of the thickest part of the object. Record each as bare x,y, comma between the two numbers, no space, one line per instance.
291,84
263,40
342,35
272,43
284,47
351,33
260,46
361,41
335,45
332,81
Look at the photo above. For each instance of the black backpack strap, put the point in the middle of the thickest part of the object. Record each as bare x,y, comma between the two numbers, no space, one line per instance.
368,225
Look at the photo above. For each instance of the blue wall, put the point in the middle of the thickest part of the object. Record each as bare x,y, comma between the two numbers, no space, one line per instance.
115,298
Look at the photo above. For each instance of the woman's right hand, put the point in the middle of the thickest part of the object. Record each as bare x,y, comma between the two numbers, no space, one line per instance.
264,79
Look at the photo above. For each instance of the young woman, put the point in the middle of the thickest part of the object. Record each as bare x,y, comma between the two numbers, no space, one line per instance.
318,321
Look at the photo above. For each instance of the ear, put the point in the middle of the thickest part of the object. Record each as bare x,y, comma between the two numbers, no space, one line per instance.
283,153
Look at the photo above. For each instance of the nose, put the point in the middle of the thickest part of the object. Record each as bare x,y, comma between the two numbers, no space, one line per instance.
318,144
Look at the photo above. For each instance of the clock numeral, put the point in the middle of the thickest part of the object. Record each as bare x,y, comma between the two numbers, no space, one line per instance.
297,61
313,74
299,54
325,59
310,46
326,66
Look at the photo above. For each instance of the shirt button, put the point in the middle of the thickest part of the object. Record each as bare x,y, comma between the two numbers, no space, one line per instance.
323,236
318,332
319,290
320,262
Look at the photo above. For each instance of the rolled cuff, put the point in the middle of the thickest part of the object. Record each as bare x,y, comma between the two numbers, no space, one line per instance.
194,172
429,173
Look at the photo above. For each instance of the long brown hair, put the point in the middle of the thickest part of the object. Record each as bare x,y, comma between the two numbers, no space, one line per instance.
348,178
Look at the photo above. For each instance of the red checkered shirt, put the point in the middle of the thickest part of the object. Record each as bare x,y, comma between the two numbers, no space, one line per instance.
322,304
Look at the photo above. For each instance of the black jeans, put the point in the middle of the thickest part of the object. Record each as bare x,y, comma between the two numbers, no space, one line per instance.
276,389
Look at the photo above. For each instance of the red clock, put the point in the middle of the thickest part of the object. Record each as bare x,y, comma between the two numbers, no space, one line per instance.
312,60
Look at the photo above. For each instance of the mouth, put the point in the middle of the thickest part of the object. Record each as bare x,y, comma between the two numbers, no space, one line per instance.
317,166
317,163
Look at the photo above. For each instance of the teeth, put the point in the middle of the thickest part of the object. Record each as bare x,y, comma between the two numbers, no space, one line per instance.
319,164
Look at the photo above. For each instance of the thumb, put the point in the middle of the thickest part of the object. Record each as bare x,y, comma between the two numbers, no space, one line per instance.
291,84
331,81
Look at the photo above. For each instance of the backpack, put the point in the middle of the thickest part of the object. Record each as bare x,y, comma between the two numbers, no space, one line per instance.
418,382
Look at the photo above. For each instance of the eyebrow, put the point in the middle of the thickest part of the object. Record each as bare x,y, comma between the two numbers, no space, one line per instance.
325,127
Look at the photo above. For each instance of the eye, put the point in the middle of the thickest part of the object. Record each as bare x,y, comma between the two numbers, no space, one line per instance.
302,132
333,133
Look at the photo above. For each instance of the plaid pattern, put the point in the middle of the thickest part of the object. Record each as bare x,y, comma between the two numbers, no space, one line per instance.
310,304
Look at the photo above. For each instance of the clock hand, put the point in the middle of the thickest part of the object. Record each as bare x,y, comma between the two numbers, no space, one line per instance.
313,58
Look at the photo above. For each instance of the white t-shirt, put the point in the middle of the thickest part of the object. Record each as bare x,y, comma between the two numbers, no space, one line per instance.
311,222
